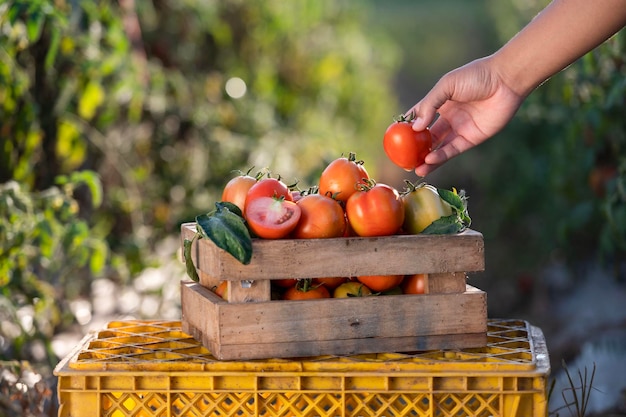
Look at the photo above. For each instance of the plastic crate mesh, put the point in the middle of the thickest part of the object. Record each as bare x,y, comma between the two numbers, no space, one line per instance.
152,368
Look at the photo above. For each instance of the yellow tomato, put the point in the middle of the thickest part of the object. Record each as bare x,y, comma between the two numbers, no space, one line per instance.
351,289
422,207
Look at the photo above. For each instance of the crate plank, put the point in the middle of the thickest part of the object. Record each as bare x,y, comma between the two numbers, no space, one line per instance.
350,256
334,326
445,283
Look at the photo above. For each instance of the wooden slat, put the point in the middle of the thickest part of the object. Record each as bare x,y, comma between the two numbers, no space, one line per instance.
446,283
349,347
334,326
353,256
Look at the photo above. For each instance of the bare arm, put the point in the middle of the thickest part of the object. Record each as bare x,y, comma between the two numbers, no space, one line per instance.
563,32
477,100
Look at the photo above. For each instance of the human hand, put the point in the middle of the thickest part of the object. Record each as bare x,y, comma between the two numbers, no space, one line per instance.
474,103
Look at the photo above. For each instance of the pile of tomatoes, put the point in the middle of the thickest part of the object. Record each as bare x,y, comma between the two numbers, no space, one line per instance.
345,202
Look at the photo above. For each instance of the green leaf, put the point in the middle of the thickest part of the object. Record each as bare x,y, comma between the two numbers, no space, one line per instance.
99,252
34,26
191,268
228,231
53,49
444,226
451,198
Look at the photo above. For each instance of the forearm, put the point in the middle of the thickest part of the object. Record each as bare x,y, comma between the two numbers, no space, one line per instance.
563,32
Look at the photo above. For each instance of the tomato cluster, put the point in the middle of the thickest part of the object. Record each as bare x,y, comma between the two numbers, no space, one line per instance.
339,287
345,202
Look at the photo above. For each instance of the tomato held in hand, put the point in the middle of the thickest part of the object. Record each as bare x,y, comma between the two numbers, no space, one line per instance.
375,210
340,177
305,290
404,146
272,218
422,206
380,283
237,189
322,217
414,284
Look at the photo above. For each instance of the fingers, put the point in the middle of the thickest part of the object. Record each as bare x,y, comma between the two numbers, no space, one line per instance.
447,144
426,109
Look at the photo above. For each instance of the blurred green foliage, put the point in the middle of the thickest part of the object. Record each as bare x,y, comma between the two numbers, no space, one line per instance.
556,175
137,93
130,98
44,244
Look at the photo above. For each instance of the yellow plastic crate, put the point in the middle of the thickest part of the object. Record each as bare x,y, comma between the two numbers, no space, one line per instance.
152,368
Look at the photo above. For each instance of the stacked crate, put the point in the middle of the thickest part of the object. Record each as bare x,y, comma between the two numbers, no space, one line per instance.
137,368
250,325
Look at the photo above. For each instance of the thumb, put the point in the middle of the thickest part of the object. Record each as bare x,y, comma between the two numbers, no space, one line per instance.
426,109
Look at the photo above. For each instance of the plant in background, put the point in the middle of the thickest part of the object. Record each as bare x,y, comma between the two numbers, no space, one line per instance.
563,161
44,244
162,101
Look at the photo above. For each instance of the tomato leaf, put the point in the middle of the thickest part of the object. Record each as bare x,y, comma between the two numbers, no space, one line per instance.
444,225
458,202
451,198
227,229
191,268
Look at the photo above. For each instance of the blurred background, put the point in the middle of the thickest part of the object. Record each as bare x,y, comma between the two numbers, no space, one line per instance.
121,120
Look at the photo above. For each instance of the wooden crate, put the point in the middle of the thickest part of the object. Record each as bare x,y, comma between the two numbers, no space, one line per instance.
249,325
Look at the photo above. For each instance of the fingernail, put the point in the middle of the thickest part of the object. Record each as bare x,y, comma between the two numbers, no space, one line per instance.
417,123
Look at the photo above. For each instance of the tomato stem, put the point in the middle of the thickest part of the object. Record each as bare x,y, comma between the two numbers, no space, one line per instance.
410,186
365,184
404,118
352,158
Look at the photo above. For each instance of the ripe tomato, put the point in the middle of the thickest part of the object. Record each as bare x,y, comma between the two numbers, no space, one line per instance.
375,210
285,283
304,290
380,283
351,289
236,190
272,218
269,187
222,289
330,283
340,177
423,206
322,217
414,284
404,146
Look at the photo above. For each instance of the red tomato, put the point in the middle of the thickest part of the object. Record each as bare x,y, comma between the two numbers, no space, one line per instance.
272,218
404,146
414,284
340,177
305,291
380,283
375,211
236,190
285,283
269,187
322,217
330,283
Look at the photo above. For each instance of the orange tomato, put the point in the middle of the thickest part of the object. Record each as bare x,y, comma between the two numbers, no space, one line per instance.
414,284
321,217
331,283
380,283
304,292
